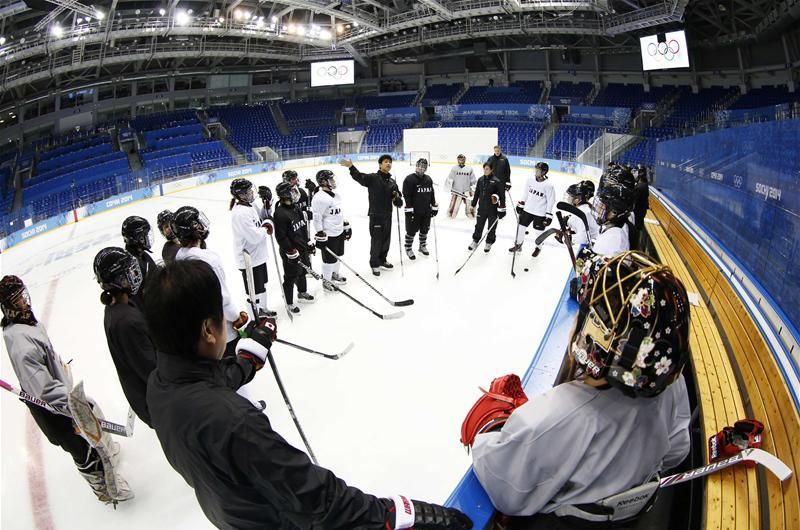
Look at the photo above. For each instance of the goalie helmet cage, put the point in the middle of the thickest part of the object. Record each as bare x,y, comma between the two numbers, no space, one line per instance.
413,156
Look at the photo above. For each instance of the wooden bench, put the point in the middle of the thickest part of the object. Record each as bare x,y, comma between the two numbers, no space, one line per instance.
737,377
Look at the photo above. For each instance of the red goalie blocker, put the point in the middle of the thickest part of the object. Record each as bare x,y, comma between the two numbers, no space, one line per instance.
493,408
732,440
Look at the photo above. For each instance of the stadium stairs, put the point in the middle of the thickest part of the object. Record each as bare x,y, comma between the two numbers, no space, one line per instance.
280,119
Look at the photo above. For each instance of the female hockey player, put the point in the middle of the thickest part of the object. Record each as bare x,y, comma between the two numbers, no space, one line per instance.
171,246
291,233
621,417
191,227
331,230
251,227
420,207
461,184
43,375
536,207
138,241
611,208
490,198
128,339
578,195
244,474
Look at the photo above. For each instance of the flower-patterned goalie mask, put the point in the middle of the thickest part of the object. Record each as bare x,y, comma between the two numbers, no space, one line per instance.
633,324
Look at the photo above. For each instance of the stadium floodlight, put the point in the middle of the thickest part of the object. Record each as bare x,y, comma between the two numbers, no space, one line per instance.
247,15
99,15
182,18
2,40
162,11
325,35
292,29
301,30
57,31
274,18
237,14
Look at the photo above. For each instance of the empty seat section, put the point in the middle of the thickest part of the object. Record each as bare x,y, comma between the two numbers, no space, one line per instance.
631,96
310,113
571,140
382,137
529,92
385,102
440,94
568,89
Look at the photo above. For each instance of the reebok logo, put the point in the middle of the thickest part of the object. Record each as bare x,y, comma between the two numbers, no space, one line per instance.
638,498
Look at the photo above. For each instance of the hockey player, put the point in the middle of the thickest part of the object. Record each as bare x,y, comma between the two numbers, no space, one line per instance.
43,375
461,183
191,227
420,207
129,342
244,474
291,233
383,193
138,241
611,208
251,227
501,167
577,195
621,417
302,202
331,230
536,207
171,246
490,198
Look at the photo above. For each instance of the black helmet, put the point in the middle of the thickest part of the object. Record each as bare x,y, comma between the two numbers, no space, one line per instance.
576,191
461,157
190,224
615,198
288,175
11,289
543,166
239,189
163,221
633,323
112,265
619,175
136,232
588,188
325,177
284,190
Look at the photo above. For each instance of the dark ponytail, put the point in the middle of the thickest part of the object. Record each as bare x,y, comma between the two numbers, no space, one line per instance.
233,202
107,296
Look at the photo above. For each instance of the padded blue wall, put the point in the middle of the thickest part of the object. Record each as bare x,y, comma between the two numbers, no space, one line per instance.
743,185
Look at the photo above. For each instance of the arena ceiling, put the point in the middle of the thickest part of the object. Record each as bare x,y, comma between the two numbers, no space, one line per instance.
51,44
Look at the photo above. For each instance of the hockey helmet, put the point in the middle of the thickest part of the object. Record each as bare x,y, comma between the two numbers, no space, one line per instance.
164,222
289,175
588,188
326,178
422,166
190,224
136,232
15,300
633,323
116,269
242,189
284,191
575,193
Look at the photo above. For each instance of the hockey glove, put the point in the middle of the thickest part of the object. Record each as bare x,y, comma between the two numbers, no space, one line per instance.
265,193
501,212
493,408
292,253
348,232
258,341
311,187
320,238
403,512
508,186
434,210
409,216
312,248
241,321
732,440
268,226
397,199
548,219
520,207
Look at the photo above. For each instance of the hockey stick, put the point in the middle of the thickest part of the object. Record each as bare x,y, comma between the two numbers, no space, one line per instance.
567,236
107,426
278,270
544,235
436,247
390,316
577,212
400,243
768,460
334,356
516,215
401,303
476,246
251,291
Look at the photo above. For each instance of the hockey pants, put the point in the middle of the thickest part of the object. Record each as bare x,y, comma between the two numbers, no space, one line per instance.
380,233
525,219
60,431
414,223
329,263
293,274
483,219
260,279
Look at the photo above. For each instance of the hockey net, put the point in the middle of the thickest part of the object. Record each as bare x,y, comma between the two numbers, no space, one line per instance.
416,155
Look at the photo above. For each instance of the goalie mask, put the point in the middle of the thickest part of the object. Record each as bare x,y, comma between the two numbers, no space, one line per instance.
116,269
15,301
633,324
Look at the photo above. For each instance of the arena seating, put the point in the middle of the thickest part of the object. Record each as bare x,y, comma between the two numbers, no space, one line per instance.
529,92
382,137
186,158
248,126
440,94
644,152
164,120
632,96
568,89
311,113
764,97
689,110
386,101
565,142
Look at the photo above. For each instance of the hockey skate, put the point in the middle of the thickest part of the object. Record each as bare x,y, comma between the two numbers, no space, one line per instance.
293,308
266,313
305,297
387,266
516,248
487,247
376,271
536,252
473,245
423,249
328,286
337,278
410,253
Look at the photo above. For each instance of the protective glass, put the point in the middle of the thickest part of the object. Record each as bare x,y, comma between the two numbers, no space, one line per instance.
295,193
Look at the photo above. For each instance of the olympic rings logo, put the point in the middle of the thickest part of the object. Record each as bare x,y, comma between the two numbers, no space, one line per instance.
333,71
666,50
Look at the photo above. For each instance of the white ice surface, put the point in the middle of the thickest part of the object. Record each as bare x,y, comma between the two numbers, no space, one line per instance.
385,418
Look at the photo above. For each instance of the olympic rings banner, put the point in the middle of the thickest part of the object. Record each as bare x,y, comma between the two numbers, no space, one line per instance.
664,51
329,73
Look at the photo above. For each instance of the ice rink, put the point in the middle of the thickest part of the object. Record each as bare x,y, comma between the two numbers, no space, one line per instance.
385,418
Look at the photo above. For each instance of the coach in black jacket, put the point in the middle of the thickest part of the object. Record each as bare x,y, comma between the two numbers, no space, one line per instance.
383,193
500,167
245,475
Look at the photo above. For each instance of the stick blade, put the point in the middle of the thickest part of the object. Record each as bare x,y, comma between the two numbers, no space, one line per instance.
345,351
393,316
769,461
404,303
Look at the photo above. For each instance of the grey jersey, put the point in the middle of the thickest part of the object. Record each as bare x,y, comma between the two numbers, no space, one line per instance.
577,444
461,180
38,367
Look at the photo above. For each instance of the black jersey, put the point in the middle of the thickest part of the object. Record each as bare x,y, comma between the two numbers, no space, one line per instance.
418,193
290,228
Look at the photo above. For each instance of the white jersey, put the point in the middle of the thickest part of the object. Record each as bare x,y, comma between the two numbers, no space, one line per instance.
461,180
580,237
577,444
612,241
248,235
327,209
229,310
540,197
